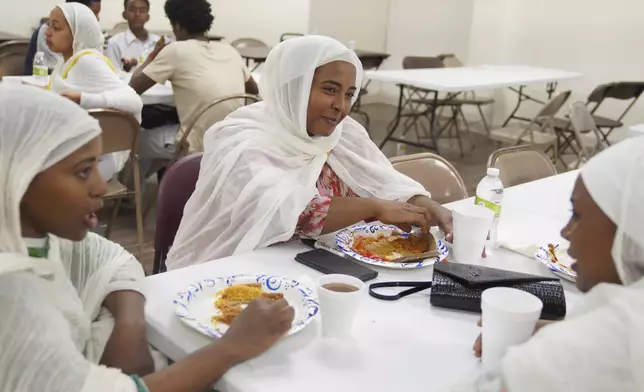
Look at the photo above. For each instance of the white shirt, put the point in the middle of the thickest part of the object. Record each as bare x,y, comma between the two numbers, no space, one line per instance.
126,45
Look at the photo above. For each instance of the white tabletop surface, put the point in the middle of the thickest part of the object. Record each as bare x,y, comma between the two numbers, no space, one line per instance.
636,130
158,94
482,77
404,345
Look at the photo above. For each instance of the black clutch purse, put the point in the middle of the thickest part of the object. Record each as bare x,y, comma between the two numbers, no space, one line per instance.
459,286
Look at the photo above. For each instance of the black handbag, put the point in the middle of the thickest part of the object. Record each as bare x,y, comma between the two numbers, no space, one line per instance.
459,286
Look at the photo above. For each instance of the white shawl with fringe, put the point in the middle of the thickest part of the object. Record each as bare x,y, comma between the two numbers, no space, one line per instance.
260,166
599,347
51,334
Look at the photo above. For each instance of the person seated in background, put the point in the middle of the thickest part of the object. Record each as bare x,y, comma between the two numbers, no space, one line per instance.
38,41
126,50
201,72
295,165
85,75
71,301
599,346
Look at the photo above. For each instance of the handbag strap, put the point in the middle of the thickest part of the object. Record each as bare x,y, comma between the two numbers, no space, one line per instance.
415,287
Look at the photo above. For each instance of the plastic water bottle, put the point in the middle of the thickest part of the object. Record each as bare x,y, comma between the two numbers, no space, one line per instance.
489,194
41,71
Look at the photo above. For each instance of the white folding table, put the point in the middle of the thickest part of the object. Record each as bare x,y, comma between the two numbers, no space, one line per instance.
461,79
403,345
636,130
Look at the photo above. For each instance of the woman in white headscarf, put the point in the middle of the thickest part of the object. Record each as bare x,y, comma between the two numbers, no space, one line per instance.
600,345
84,74
71,305
295,164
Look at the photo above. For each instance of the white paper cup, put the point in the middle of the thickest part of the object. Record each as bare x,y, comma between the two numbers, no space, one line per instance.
471,226
509,318
338,309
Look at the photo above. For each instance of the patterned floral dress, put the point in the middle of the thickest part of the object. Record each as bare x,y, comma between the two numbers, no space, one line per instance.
312,220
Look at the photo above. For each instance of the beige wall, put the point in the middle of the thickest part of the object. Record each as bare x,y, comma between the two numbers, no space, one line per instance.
602,39
262,19
362,21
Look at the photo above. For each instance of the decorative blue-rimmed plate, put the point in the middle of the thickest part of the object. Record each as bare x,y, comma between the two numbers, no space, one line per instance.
345,240
560,265
196,305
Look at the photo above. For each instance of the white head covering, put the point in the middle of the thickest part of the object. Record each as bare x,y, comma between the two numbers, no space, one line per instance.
260,166
615,181
85,28
290,68
599,346
37,130
88,40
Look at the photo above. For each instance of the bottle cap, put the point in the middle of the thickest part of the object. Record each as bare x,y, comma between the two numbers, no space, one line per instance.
493,171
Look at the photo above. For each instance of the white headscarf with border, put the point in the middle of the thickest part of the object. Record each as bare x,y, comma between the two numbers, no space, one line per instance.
260,166
38,129
600,344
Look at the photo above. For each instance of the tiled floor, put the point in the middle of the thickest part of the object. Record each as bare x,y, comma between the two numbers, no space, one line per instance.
471,167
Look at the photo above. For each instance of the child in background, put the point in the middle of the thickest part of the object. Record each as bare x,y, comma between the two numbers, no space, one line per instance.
128,49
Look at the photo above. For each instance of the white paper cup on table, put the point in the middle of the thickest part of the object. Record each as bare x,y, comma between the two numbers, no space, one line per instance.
509,319
471,225
340,297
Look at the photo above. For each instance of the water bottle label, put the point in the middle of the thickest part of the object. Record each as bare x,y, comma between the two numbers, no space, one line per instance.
496,208
41,71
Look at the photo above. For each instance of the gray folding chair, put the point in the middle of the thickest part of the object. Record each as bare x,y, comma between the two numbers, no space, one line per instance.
246,42
121,132
520,164
539,132
621,91
587,136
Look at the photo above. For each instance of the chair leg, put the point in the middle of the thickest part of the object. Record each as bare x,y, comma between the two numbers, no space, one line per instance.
485,124
113,215
467,129
137,201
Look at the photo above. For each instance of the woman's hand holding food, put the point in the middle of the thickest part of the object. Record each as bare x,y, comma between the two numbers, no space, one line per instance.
258,328
402,214
439,215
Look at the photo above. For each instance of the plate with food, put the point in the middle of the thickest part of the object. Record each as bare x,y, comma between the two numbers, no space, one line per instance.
557,260
388,246
211,305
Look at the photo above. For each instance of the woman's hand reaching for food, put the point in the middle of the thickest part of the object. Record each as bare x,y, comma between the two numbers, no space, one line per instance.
439,215
401,214
258,328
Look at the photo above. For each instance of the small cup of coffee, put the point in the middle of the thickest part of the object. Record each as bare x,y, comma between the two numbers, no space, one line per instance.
340,296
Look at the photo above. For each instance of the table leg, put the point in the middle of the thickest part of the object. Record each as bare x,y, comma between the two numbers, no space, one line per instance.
391,128
432,123
518,105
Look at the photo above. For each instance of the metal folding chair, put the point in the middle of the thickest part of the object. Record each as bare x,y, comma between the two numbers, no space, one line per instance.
623,91
121,132
539,132
435,173
588,138
178,185
521,164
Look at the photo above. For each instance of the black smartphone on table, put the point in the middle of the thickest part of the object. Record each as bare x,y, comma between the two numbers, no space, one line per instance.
329,263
